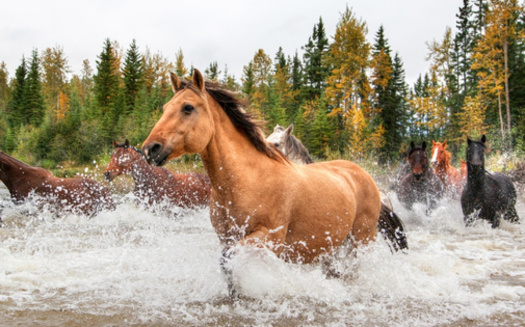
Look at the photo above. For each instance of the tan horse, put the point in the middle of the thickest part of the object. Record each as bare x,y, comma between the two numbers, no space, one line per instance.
258,196
449,175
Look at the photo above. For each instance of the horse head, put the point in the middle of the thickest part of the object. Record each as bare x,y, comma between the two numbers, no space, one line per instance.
186,125
121,160
439,153
279,137
476,153
417,158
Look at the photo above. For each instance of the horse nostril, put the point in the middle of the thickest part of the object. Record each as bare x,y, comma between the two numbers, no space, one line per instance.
107,175
276,145
155,150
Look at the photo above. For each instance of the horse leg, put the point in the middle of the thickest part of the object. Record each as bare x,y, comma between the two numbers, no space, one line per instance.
225,258
511,215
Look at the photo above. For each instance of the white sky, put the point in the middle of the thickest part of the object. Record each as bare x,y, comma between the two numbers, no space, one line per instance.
226,31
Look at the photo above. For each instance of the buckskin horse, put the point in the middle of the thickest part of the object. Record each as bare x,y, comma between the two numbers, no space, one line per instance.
154,184
78,195
447,173
260,198
420,184
486,196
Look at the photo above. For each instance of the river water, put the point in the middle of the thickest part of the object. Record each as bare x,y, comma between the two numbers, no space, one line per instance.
160,267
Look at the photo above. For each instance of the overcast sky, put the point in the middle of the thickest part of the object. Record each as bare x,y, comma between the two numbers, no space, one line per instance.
226,31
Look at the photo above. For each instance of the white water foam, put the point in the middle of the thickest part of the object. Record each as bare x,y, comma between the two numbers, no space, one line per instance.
153,267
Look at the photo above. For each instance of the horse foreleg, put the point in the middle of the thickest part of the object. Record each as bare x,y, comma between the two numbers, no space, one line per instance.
225,258
511,215
260,238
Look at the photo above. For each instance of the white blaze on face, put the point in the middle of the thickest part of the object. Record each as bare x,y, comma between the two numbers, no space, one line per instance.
277,139
435,155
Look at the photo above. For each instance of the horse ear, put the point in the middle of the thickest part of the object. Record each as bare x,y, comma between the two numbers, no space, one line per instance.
424,145
198,80
412,145
483,139
276,127
444,143
115,143
289,129
126,143
176,83
469,140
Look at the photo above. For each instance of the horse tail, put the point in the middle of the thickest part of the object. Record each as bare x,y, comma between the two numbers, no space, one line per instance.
391,226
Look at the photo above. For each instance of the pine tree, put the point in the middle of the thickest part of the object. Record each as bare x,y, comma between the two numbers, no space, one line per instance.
212,72
315,68
106,90
132,75
4,87
248,82
33,93
16,108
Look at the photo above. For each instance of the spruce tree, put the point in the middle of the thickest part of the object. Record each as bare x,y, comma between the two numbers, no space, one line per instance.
106,90
132,76
16,108
315,69
33,93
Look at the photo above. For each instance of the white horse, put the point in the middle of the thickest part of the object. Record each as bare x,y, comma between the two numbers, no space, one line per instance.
289,145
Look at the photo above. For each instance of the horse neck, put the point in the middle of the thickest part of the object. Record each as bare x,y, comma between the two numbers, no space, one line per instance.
11,170
297,152
230,155
140,169
476,176
442,167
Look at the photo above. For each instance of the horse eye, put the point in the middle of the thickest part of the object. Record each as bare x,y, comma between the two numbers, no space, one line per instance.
187,109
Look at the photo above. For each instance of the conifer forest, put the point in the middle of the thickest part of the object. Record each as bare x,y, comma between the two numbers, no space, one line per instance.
346,96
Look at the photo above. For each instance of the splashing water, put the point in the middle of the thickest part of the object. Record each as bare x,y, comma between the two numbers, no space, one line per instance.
137,266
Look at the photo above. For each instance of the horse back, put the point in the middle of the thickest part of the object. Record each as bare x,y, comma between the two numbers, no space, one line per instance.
502,186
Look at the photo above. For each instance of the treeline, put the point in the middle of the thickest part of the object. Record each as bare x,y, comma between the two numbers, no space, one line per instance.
345,96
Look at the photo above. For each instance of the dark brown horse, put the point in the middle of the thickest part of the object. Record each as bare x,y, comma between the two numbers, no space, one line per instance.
154,184
78,195
486,196
420,185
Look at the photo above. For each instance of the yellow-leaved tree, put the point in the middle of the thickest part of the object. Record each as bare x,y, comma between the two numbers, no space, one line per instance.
348,90
472,117
490,57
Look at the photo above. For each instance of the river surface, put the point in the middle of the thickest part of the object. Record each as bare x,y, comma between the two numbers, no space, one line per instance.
160,267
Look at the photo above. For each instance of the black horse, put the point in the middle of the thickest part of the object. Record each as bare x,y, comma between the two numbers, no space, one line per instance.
420,184
486,196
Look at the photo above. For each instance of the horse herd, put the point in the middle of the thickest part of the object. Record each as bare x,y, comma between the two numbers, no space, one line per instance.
267,192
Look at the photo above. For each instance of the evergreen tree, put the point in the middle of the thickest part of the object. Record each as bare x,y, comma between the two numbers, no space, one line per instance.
248,82
132,76
4,87
106,88
315,69
212,72
17,106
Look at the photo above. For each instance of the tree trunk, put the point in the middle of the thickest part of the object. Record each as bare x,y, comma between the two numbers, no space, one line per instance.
507,96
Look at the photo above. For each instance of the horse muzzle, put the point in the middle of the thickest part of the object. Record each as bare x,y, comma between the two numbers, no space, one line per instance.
108,176
418,176
155,153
